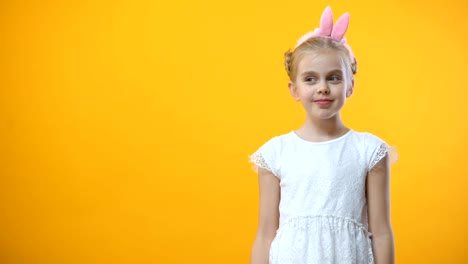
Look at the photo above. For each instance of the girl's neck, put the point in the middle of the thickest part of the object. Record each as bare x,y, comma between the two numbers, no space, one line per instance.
322,129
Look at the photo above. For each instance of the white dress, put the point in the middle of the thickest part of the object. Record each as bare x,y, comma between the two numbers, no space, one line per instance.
323,209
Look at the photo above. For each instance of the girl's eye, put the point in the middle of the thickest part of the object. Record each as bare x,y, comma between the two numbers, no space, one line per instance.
335,78
310,79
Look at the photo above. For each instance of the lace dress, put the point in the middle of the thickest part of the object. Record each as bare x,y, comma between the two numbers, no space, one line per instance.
323,210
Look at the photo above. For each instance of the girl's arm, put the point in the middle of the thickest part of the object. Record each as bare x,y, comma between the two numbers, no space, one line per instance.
268,219
378,199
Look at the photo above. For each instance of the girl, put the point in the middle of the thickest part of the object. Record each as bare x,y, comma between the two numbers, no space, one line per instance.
324,188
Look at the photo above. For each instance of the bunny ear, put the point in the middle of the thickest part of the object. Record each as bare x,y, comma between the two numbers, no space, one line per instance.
340,28
326,22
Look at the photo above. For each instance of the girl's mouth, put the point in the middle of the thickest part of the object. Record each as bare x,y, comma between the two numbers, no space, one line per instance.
323,102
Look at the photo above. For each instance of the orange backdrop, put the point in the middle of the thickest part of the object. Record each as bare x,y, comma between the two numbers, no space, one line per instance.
125,126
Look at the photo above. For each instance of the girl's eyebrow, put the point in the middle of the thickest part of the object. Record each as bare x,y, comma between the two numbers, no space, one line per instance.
339,71
308,73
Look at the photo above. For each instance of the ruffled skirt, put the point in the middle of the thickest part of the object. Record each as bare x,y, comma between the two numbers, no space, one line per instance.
321,240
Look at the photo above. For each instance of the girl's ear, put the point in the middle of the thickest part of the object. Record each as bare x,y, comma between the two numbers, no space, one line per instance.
349,90
293,90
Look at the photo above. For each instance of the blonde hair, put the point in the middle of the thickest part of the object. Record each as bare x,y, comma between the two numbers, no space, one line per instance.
316,44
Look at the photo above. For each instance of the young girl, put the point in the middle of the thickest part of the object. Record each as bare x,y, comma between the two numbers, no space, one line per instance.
324,188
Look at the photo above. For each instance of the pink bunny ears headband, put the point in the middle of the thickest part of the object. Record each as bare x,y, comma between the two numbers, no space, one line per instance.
327,30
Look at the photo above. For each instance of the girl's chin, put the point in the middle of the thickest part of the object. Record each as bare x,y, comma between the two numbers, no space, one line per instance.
324,114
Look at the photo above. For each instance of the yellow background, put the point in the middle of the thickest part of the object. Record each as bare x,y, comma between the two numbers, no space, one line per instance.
126,125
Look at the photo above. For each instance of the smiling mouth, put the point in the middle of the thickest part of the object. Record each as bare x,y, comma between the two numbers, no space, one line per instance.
323,102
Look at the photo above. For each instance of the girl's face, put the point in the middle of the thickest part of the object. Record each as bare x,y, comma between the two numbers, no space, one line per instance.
320,84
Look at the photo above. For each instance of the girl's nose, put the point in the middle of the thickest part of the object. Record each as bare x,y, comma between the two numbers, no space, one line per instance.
323,89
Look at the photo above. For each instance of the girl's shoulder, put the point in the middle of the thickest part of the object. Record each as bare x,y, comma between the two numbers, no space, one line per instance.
278,140
367,137
375,147
267,154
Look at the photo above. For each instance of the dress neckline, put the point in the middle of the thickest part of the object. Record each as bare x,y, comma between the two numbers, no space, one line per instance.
297,137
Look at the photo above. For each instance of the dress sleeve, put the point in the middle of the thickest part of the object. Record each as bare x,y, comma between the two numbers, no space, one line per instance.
378,149
264,157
